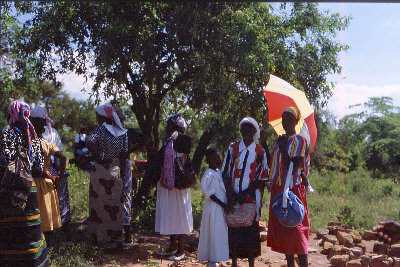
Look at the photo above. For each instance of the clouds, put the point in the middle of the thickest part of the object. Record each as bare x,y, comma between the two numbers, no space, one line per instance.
75,85
346,94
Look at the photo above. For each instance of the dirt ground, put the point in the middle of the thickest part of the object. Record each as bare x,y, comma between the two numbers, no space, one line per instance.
144,253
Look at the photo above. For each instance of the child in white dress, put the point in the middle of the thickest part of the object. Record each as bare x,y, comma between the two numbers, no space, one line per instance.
213,241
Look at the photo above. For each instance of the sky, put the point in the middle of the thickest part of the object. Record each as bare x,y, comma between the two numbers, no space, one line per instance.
370,66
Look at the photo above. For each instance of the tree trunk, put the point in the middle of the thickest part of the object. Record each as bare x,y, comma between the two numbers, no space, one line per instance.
150,182
201,148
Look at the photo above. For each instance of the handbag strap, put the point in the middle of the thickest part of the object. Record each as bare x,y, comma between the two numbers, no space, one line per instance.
243,171
288,185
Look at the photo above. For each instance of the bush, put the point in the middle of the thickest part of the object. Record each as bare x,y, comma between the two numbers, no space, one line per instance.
356,199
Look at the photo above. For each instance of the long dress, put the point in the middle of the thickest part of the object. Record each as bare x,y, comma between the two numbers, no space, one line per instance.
245,167
173,211
105,189
280,238
213,241
22,243
47,193
52,136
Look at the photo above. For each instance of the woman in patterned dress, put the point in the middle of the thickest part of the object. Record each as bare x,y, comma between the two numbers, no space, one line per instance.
22,242
245,168
108,143
289,147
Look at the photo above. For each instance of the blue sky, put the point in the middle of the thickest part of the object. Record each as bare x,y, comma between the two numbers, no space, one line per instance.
370,67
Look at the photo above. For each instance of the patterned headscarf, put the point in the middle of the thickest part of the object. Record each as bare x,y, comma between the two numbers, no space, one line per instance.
19,112
253,122
293,111
108,111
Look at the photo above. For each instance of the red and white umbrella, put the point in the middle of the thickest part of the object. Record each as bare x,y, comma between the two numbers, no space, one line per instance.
279,95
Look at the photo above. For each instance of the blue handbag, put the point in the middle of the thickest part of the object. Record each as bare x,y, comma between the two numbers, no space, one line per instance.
293,215
286,206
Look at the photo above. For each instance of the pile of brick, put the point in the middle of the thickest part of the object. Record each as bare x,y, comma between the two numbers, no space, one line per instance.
346,247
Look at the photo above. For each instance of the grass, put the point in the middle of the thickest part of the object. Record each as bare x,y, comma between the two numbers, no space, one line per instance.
355,198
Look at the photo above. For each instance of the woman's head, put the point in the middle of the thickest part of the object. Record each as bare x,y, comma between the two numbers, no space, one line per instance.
249,130
102,119
183,144
108,114
213,158
18,113
39,125
18,116
290,118
41,113
175,122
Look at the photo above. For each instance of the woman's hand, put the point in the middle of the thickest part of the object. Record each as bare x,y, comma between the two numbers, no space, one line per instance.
228,208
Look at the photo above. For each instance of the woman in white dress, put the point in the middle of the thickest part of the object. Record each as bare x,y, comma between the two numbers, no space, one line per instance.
213,241
174,206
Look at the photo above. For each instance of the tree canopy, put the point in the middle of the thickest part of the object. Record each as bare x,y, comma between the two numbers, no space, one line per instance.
214,57
367,138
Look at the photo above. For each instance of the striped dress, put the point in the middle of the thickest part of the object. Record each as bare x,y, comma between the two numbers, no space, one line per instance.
280,238
22,242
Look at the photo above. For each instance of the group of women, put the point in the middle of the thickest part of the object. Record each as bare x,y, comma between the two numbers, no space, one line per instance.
233,190
33,187
237,182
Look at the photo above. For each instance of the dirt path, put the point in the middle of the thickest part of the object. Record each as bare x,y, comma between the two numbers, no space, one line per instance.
144,254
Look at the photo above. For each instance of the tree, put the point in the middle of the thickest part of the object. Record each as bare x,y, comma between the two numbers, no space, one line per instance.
18,75
214,57
217,55
371,136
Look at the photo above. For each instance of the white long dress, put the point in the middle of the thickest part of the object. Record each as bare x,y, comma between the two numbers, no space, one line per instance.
173,211
213,241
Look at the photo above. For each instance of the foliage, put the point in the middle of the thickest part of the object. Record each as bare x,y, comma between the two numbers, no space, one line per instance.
368,138
215,57
356,198
18,76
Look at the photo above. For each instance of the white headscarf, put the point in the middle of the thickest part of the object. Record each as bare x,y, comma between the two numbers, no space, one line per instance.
107,110
253,122
41,112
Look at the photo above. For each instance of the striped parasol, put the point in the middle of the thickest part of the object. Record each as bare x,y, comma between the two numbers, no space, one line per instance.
278,95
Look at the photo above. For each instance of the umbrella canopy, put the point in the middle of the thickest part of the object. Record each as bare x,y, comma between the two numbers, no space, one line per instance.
278,95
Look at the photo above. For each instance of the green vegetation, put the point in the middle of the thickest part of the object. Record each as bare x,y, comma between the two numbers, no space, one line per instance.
208,61
356,198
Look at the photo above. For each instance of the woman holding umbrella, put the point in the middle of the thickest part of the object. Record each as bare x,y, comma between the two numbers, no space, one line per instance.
290,147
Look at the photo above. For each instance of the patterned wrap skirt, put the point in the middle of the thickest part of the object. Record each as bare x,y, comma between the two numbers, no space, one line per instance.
22,243
63,194
105,207
244,242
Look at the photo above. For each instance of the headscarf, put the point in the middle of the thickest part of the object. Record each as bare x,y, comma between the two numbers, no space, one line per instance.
168,169
293,111
177,120
41,112
254,123
20,111
108,111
